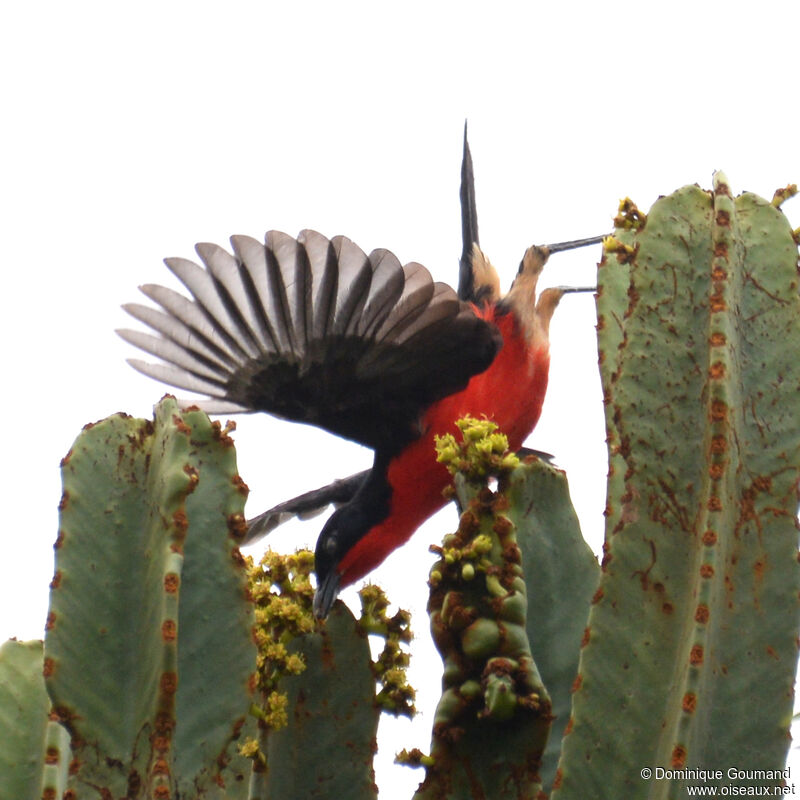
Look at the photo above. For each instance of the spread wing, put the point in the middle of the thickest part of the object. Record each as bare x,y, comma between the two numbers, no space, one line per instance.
313,330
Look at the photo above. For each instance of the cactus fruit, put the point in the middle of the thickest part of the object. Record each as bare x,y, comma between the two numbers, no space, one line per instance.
690,652
148,653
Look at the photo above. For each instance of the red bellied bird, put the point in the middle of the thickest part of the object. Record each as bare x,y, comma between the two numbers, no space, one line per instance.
314,330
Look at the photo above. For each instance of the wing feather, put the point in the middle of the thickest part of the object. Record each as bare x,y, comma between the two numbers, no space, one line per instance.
314,330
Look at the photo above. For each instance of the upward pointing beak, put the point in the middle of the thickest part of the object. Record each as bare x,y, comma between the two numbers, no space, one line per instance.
326,594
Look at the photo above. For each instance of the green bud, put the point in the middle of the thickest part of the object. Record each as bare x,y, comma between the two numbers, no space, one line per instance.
501,700
481,639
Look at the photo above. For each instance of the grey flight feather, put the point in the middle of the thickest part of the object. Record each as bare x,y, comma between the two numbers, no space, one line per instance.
313,330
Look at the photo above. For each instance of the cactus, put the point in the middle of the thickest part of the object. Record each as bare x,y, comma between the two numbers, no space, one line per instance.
317,732
148,652
690,651
35,753
492,724
688,657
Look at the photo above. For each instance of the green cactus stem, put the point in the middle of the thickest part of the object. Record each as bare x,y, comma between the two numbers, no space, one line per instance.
690,651
34,750
148,653
492,722
318,715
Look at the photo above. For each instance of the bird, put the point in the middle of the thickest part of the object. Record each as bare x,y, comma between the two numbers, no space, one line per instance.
314,330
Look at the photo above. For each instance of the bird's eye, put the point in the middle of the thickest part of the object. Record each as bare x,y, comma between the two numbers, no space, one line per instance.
331,546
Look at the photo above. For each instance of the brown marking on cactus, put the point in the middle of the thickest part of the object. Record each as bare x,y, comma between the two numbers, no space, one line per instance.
172,582
597,596
56,582
706,571
720,251
719,410
717,339
161,793
180,524
168,683
763,483
557,779
714,503
181,425
716,371
468,523
633,300
607,556
601,323
48,667
702,614
50,792
781,195
719,444
241,487
772,653
576,684
587,635
67,457
164,723
667,608
772,296
689,703
502,526
716,470
194,478
722,189
161,767
723,218
238,558
696,655
169,630
759,568
678,758
717,303
221,434
644,574
50,621
237,526
718,274
62,503
70,795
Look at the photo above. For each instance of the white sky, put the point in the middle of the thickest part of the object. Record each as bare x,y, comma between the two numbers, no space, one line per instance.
129,136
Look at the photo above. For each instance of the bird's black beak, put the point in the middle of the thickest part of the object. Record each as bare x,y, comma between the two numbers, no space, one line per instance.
574,244
326,594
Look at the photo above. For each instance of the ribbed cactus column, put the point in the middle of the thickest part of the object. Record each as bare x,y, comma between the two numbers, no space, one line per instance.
34,751
509,598
691,646
149,651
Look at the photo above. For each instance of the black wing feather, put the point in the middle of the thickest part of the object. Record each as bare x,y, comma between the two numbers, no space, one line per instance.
304,506
315,331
